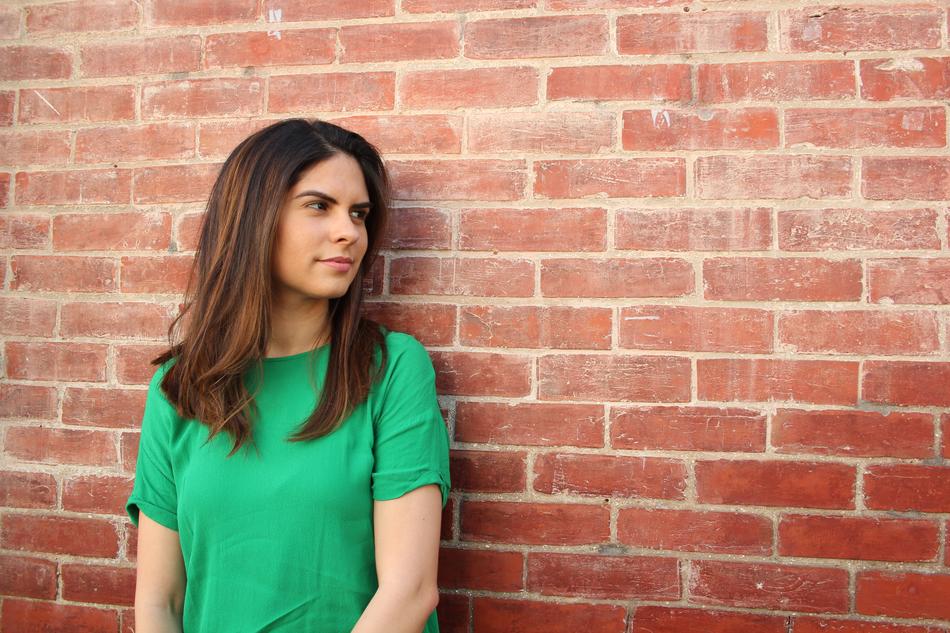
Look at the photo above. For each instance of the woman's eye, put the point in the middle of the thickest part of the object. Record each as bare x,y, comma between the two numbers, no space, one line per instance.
359,214
318,205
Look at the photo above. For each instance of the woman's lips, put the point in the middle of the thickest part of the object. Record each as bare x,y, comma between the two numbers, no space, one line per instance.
340,264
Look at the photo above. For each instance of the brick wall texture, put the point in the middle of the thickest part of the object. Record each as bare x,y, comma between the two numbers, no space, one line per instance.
683,270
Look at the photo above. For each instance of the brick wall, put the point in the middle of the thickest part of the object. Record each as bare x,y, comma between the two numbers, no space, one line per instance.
683,270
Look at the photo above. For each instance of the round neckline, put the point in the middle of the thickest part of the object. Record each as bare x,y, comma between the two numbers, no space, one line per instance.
290,357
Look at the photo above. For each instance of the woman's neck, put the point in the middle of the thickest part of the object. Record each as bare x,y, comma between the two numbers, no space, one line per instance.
298,326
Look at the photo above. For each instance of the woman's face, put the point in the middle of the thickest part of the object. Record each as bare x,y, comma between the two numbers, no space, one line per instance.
321,232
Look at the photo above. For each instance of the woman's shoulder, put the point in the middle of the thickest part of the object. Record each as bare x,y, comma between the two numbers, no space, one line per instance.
405,355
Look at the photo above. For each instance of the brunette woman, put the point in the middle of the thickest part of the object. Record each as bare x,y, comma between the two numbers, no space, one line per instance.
293,461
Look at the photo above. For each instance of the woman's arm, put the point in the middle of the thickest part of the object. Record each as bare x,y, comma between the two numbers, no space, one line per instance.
407,559
159,579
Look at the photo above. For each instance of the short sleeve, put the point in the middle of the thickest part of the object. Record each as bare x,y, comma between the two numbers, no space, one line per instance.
411,443
154,491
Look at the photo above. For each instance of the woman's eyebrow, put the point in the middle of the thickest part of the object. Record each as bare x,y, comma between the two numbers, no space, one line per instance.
330,199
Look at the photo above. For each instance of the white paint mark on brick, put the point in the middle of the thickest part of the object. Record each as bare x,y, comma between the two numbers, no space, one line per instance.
43,99
812,31
275,15
659,114
913,121
905,64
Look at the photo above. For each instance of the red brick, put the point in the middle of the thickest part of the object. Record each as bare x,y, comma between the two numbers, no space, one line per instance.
27,490
848,29
339,92
453,612
419,227
132,143
551,132
99,584
68,105
694,531
655,82
572,230
610,177
469,88
782,279
537,37
530,424
142,56
28,577
607,577
111,231
408,133
174,183
853,433
858,229
907,383
27,401
910,177
479,569
769,379
61,446
706,229
21,149
129,450
134,362
200,12
773,176
696,329
63,273
655,619
116,319
554,327
97,494
155,274
535,523
495,615
7,99
54,360
109,407
714,32
297,10
857,538
34,62
866,127
458,6
605,475
907,488
93,186
687,429
777,483
488,471
286,47
909,280
30,615
776,81
397,42
9,23
658,129
616,278
218,138
482,374
21,316
866,332
24,231
462,276
81,15
766,586
905,78
60,535
614,378
202,98
817,625
903,595
470,179
431,323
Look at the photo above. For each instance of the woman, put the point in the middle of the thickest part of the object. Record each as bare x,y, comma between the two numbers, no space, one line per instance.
293,461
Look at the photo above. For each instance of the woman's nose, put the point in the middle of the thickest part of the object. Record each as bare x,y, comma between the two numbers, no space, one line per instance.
343,227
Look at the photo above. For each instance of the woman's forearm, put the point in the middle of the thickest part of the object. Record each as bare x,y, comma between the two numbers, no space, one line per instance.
397,610
155,619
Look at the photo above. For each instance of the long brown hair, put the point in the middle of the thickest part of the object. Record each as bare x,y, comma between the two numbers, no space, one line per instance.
227,298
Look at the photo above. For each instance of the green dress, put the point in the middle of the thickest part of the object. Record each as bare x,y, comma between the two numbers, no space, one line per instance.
281,539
